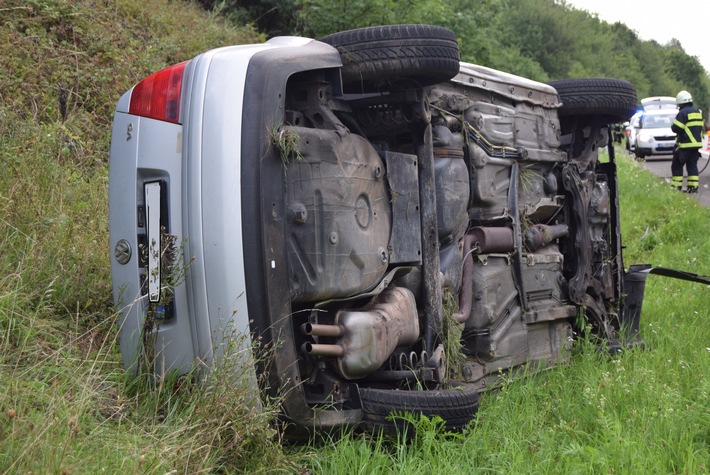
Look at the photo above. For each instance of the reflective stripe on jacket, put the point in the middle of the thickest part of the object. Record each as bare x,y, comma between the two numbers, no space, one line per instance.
688,126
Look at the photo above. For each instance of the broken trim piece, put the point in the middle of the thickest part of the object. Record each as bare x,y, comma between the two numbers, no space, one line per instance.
678,274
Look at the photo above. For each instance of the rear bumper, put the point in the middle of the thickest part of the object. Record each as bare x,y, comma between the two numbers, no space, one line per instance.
198,167
654,150
220,191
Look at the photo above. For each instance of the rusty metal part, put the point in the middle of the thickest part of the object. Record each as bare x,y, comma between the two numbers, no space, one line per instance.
480,240
492,239
366,338
540,235
329,351
315,329
437,363
466,293
431,285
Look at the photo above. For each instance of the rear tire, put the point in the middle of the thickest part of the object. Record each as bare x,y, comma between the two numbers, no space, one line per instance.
457,407
613,99
380,57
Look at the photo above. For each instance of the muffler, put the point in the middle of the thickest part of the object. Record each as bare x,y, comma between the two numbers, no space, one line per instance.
366,338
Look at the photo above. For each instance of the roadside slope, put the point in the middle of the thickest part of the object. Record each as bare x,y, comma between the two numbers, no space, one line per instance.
65,403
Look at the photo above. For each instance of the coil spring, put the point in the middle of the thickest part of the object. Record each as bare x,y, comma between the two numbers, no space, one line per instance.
403,361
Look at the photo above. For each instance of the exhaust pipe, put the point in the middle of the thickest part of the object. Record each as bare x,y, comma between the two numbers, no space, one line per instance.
366,338
540,235
492,239
328,351
315,329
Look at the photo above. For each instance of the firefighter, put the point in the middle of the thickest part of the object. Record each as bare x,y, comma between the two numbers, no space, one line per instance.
617,132
688,127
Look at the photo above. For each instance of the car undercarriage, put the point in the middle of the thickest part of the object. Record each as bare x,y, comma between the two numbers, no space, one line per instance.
410,226
471,204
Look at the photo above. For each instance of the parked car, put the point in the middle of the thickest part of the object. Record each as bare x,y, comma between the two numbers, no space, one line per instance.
630,131
654,135
342,202
648,104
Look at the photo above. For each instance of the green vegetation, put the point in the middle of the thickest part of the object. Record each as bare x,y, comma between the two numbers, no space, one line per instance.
540,39
66,404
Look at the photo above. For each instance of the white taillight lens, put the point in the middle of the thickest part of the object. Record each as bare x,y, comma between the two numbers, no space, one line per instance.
158,95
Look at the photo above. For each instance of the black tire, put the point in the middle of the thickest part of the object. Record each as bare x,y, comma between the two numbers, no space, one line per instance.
457,407
377,57
613,99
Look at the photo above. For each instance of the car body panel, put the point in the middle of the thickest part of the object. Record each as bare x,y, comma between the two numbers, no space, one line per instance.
211,305
658,102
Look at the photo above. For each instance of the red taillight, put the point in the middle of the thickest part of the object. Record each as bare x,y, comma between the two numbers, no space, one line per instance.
158,95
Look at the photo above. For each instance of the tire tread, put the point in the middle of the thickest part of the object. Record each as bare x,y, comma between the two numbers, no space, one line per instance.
607,97
381,55
457,407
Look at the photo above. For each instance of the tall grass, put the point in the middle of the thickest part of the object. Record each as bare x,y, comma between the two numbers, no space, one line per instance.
66,404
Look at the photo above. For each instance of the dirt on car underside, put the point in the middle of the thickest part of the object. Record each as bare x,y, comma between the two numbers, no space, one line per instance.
439,232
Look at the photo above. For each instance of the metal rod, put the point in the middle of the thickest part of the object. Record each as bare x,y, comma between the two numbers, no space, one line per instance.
431,288
331,351
316,329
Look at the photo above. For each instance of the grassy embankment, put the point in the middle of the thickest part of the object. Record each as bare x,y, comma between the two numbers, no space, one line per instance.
66,405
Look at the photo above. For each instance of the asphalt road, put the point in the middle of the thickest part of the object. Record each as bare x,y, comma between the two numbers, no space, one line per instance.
661,167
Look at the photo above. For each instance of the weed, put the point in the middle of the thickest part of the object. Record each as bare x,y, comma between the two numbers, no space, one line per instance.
285,140
530,180
453,349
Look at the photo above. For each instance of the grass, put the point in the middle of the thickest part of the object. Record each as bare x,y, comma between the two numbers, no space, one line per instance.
67,406
639,412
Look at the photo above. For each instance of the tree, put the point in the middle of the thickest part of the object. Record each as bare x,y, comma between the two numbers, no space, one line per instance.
688,72
272,17
539,39
539,30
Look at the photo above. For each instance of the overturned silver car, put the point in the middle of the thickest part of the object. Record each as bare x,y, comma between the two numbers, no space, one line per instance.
396,226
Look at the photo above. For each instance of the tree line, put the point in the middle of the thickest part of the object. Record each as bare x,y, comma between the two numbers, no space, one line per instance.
539,39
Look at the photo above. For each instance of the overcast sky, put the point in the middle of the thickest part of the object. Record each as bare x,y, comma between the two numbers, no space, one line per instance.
688,21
